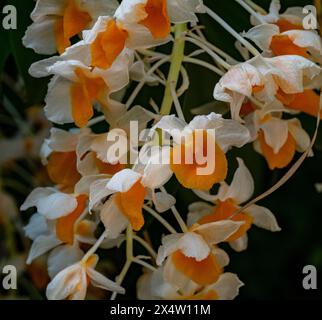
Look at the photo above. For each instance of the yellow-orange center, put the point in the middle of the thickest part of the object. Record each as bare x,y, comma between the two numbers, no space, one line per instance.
204,272
186,171
157,20
65,226
224,210
286,25
62,169
283,157
73,21
283,45
83,94
107,168
108,45
131,203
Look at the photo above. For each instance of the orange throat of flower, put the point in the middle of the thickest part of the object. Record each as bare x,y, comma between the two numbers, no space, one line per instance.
65,226
108,45
62,169
73,21
283,157
225,210
157,19
131,203
204,272
186,158
83,94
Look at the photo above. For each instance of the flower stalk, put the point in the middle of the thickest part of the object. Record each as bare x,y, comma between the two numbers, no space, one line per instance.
177,57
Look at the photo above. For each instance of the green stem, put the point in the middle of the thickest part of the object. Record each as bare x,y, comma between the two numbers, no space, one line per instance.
177,57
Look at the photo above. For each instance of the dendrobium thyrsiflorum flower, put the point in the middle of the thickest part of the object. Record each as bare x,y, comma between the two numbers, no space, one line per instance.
153,286
275,138
55,22
278,83
198,157
227,205
119,157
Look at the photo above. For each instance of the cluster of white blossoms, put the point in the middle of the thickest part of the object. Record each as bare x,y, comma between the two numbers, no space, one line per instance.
95,188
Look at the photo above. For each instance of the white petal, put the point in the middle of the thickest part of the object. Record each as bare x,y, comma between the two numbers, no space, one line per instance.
99,7
37,226
177,279
241,187
262,35
117,76
219,231
172,125
47,8
227,286
98,191
63,257
58,101
240,244
102,144
221,256
210,121
157,171
86,166
123,180
183,11
198,210
113,219
232,134
63,141
301,137
291,70
193,245
163,201
237,84
275,133
41,245
305,39
169,245
40,36
84,184
263,217
50,203
70,282
157,287
98,280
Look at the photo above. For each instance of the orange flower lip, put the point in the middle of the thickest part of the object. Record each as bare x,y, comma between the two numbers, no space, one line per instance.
223,211
65,226
203,272
74,20
108,45
157,20
83,94
187,173
131,204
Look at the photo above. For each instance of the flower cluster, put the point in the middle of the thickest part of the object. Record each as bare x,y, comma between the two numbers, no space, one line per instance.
94,184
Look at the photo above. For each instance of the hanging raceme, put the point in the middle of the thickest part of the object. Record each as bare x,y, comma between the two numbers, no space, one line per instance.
115,181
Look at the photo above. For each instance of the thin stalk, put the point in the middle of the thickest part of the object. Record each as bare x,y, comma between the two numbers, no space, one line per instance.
248,8
174,72
233,32
160,219
129,258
